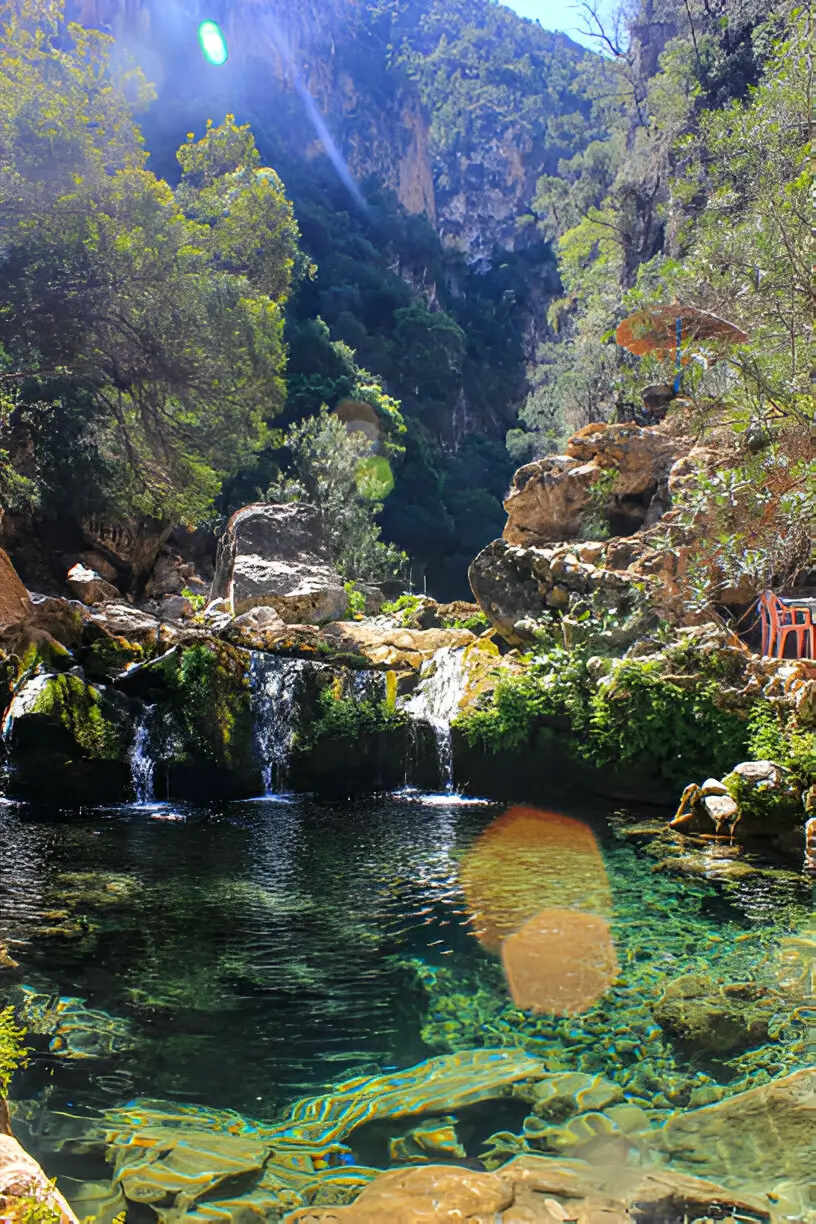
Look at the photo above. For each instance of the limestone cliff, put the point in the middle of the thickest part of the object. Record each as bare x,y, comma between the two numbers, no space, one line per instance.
311,75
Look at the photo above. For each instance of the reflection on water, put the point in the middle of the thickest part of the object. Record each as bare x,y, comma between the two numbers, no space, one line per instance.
538,891
252,954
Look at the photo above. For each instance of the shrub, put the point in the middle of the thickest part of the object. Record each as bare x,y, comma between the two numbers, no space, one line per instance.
660,710
13,1053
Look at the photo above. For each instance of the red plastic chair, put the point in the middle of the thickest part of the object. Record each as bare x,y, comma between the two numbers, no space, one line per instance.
779,619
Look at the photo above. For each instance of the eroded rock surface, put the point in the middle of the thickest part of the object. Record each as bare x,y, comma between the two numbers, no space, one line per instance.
760,1136
275,555
15,602
598,523
538,1190
550,499
22,1178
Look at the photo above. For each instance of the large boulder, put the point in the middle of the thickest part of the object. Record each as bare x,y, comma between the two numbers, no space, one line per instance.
68,741
514,586
15,604
275,555
555,498
89,587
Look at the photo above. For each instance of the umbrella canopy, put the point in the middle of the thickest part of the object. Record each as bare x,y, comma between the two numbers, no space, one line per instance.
664,329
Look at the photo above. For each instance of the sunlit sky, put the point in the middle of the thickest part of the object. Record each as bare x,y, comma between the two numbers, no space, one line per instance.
556,15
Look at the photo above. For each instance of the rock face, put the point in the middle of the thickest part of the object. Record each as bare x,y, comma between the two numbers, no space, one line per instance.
274,556
599,519
90,587
550,500
515,585
15,604
393,647
22,1178
760,1136
473,192
538,1190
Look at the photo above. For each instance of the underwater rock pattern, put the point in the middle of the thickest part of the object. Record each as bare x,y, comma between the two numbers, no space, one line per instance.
539,1190
426,1141
179,1154
716,1017
440,1084
765,1134
78,1031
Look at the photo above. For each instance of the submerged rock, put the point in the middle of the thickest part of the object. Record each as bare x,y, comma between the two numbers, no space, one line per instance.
758,1137
275,555
714,1017
541,1190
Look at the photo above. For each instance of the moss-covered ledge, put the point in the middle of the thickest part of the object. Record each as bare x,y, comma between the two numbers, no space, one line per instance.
68,741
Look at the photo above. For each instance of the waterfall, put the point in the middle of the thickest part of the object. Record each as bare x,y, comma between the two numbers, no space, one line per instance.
142,764
436,702
275,684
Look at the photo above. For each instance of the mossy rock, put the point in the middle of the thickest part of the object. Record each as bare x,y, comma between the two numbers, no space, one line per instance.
769,797
68,741
715,1018
378,759
208,749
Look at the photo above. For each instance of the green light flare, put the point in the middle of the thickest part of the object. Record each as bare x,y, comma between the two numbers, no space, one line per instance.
213,43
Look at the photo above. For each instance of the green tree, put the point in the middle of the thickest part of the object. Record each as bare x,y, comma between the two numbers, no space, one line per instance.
330,468
152,321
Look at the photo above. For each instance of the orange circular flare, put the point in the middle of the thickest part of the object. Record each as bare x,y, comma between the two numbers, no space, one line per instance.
528,860
560,962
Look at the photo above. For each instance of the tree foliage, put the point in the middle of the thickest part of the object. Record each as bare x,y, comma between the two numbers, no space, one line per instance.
327,467
149,321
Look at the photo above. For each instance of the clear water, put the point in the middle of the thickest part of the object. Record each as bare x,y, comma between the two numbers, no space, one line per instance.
258,952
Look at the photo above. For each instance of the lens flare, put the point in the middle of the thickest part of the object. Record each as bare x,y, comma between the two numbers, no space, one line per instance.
213,43
374,478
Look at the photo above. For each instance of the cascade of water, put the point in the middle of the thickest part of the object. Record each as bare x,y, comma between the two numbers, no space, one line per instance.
436,701
142,764
274,685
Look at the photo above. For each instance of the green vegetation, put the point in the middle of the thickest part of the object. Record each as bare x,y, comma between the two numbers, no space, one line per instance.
324,470
12,1048
477,623
349,717
210,693
86,713
403,608
356,601
197,602
696,193
141,332
665,711
774,734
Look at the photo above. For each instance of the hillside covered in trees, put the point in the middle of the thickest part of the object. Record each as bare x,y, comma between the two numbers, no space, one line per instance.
435,209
